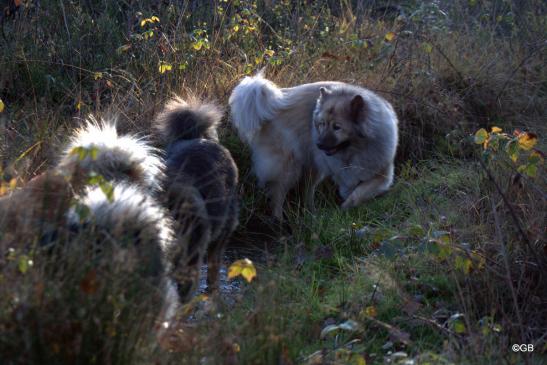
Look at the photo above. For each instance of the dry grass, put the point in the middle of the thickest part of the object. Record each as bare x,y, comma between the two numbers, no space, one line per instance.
449,70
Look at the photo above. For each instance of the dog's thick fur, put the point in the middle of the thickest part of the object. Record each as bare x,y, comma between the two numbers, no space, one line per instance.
200,185
60,207
316,130
115,157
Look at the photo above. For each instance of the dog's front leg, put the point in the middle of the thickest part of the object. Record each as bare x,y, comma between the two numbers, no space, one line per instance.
278,192
313,181
365,191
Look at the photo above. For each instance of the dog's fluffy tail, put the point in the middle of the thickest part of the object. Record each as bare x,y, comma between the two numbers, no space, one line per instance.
98,148
253,102
188,119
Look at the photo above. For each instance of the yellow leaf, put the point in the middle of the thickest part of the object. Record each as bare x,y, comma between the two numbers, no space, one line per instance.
197,45
536,157
124,48
269,52
389,36
496,130
459,327
79,105
371,311
358,359
164,67
235,28
527,140
155,19
480,136
2,106
13,183
144,21
97,75
243,267
427,47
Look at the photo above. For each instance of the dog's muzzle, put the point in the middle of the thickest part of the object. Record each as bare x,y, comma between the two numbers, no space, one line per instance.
331,150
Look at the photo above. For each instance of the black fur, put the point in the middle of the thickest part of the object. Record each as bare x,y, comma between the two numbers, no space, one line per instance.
200,188
192,119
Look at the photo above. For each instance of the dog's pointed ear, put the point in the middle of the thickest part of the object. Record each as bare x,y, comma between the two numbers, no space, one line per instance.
324,92
357,108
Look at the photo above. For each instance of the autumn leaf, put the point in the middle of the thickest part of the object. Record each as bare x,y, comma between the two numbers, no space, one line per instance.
480,136
2,106
24,263
371,311
122,49
389,36
527,140
427,47
89,284
528,169
512,150
164,67
79,104
463,264
358,359
243,267
496,129
459,327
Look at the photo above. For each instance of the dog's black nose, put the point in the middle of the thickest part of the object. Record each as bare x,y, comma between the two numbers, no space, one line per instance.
321,146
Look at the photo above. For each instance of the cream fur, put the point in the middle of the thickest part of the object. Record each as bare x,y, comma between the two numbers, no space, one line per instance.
278,125
121,158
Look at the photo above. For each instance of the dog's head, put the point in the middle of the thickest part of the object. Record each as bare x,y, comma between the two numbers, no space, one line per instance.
337,118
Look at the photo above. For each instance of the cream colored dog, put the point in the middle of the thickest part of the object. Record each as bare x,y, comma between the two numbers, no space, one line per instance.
316,130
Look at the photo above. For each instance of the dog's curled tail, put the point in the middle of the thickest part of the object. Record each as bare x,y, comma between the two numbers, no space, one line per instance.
188,119
97,148
253,102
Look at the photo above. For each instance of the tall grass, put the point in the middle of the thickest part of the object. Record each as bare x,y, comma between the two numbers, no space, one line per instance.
448,67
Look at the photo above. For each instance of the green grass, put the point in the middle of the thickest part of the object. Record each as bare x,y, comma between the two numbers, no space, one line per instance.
435,268
329,276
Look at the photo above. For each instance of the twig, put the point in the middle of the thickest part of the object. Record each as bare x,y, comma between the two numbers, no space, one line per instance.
511,210
508,269
436,325
510,77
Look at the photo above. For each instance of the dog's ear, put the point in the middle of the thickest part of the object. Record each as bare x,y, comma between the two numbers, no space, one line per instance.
324,92
357,108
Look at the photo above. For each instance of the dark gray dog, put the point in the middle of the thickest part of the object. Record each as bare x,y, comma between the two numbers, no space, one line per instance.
200,188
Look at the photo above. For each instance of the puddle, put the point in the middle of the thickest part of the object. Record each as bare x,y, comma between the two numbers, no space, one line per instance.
228,288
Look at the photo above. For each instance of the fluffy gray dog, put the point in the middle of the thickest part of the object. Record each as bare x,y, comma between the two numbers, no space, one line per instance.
201,188
315,131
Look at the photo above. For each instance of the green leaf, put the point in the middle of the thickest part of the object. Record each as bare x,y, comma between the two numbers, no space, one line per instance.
459,327
427,47
24,263
107,189
416,230
464,264
528,169
94,151
512,150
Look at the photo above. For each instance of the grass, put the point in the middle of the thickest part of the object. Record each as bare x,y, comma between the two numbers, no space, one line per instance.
436,271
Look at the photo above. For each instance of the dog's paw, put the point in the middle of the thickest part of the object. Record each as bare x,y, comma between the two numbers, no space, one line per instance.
347,204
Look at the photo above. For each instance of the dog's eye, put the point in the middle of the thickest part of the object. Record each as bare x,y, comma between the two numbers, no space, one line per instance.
336,127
